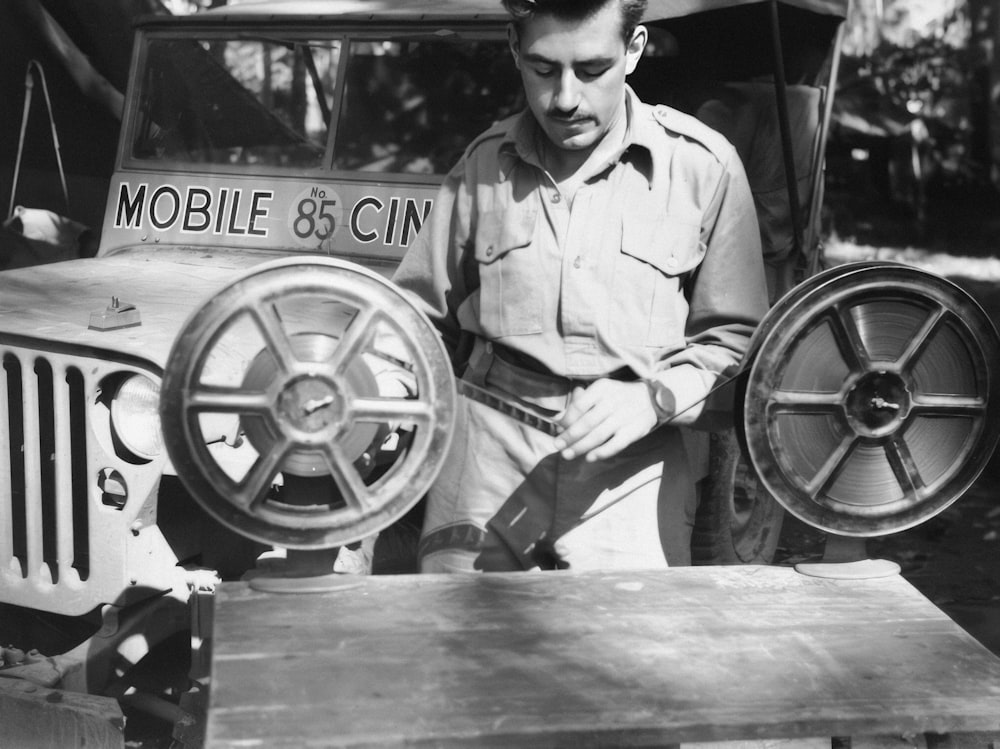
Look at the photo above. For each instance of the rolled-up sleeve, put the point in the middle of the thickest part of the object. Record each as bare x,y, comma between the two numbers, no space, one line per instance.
727,297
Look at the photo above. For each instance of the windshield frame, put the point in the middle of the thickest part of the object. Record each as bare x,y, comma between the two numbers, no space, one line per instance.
346,33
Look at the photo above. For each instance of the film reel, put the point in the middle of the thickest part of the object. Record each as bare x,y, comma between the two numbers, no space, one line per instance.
870,403
738,520
337,395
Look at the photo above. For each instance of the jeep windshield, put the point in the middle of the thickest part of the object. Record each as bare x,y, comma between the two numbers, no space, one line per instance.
404,103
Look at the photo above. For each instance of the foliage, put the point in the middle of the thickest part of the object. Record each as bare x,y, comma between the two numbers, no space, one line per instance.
918,88
926,79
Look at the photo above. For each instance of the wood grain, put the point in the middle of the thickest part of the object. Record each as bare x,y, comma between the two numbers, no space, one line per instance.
588,659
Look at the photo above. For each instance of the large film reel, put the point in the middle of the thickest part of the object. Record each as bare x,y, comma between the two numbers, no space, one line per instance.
336,395
870,403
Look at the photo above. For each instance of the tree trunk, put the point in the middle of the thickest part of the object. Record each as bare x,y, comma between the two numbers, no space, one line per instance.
87,78
984,19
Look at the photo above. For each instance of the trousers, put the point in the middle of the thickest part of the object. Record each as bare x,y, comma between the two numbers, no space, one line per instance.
506,500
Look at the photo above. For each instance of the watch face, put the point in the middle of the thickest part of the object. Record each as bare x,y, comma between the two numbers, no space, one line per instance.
663,399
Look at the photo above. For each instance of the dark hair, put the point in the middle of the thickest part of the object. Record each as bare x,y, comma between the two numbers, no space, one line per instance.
523,10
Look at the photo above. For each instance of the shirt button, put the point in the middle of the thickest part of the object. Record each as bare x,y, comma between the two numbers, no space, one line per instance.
556,197
577,262
672,262
489,251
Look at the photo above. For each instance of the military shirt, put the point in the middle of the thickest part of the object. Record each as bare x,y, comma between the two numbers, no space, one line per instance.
655,264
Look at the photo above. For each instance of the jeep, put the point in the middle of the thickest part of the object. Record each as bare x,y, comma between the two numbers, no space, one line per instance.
251,133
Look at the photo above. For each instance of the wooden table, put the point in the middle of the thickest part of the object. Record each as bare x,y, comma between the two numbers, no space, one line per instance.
592,659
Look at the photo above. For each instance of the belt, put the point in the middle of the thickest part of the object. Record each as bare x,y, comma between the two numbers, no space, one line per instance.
531,364
524,378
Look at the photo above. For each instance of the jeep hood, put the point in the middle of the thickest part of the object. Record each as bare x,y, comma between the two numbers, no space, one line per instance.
52,304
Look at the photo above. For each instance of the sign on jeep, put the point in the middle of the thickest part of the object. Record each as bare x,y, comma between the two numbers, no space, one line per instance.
300,138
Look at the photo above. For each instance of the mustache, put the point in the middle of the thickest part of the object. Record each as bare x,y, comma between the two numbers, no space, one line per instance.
568,117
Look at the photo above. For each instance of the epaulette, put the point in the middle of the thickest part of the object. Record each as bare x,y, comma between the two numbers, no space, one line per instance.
496,130
692,128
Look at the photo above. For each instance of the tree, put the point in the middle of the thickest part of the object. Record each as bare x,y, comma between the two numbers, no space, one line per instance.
87,78
908,74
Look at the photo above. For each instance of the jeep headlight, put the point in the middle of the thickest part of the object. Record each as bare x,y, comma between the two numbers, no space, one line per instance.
135,416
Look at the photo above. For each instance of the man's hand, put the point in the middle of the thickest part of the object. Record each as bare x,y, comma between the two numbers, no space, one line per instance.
604,419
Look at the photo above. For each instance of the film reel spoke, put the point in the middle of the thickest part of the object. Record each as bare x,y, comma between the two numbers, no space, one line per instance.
216,399
798,401
403,410
356,338
850,342
352,489
252,490
970,406
276,338
921,341
821,481
904,467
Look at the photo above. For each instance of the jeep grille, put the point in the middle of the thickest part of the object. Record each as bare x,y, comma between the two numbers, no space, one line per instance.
43,451
66,544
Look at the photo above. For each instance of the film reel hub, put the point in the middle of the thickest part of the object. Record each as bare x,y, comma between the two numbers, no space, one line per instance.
312,405
877,404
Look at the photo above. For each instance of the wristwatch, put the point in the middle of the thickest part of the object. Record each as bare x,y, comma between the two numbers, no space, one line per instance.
664,403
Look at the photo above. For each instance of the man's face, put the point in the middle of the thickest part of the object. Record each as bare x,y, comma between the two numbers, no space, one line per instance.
574,74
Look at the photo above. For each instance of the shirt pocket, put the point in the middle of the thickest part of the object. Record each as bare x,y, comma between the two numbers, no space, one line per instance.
656,256
510,274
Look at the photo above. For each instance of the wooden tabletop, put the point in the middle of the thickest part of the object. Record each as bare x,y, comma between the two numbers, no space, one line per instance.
586,659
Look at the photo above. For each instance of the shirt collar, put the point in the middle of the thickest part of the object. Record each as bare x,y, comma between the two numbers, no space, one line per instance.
520,141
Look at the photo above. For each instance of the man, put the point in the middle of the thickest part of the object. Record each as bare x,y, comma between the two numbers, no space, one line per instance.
601,260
